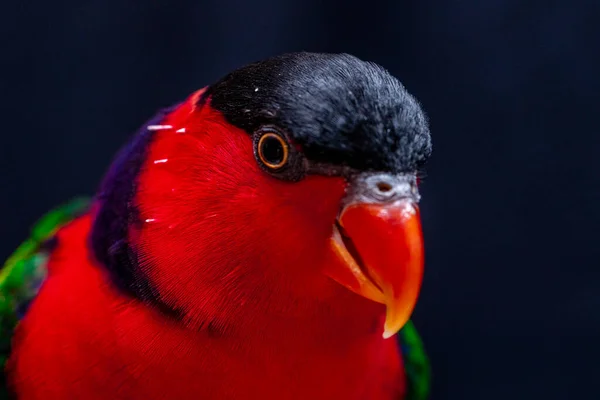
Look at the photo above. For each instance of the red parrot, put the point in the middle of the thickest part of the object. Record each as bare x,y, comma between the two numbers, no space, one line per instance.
260,240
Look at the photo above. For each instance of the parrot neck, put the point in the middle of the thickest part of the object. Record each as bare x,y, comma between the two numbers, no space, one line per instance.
138,351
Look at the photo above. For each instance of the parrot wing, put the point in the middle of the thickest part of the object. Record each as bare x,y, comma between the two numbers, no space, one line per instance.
25,270
416,363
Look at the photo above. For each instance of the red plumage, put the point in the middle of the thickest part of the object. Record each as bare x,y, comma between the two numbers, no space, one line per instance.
259,318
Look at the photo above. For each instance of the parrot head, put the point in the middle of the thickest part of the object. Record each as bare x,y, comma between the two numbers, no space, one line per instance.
290,183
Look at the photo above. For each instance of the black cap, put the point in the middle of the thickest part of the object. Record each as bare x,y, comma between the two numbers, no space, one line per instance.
339,109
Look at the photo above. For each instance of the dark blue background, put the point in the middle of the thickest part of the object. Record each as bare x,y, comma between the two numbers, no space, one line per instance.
509,304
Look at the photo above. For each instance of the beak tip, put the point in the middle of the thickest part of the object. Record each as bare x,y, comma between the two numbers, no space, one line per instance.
390,329
388,334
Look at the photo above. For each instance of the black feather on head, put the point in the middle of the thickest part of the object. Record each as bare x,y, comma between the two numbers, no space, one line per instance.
339,109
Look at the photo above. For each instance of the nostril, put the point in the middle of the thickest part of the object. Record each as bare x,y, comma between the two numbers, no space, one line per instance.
384,187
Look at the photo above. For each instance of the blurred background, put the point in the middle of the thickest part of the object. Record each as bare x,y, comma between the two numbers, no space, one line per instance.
510,306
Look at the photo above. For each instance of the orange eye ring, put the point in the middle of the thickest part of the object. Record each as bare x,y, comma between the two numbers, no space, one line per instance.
273,151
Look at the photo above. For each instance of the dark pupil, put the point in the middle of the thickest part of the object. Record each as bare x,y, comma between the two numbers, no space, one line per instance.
272,150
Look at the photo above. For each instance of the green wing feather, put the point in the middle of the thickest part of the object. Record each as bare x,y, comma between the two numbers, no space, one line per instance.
416,363
25,269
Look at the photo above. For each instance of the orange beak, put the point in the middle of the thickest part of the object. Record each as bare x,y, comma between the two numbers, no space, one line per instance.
380,249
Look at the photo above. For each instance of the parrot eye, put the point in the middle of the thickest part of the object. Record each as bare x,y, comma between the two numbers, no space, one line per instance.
272,150
277,156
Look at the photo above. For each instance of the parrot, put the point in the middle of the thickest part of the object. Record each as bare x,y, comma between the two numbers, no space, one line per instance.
261,239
